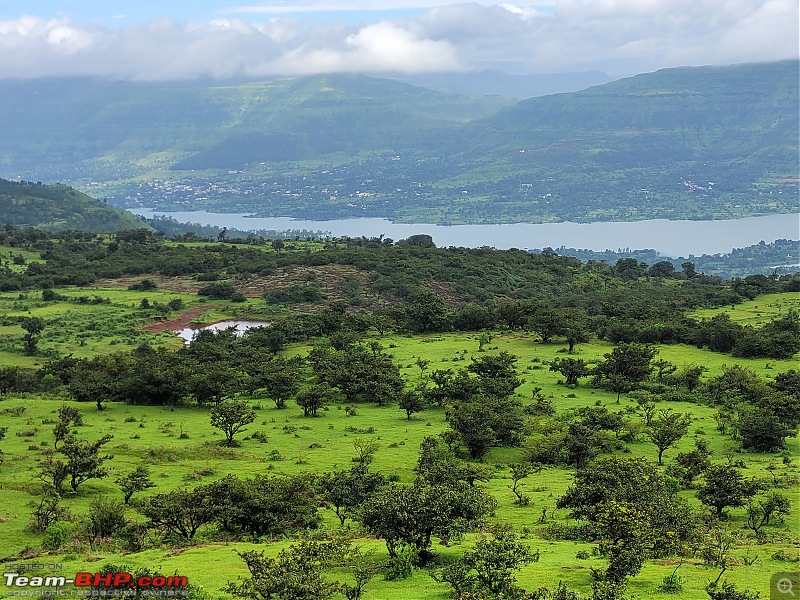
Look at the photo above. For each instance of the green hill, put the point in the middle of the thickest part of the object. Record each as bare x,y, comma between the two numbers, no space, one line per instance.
58,207
110,129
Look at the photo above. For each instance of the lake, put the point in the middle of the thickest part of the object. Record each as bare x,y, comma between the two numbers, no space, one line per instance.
239,327
670,238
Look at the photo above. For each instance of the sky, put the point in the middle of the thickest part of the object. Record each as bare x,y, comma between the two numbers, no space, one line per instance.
166,40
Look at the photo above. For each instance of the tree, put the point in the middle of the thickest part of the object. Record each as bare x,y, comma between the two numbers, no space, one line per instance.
53,472
472,420
571,368
68,417
576,326
213,382
760,513
358,372
725,486
280,378
105,518
33,326
84,461
366,450
179,512
634,508
547,322
231,416
346,490
412,515
690,374
624,366
426,313
411,402
313,398
668,428
265,506
137,480
488,570
762,430
438,464
625,537
690,465
662,268
580,443
497,376
520,471
297,573
663,369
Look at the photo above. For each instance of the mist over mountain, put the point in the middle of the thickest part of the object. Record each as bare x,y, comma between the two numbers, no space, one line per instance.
493,82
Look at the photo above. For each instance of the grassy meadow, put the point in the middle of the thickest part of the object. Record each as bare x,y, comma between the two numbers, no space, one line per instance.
181,450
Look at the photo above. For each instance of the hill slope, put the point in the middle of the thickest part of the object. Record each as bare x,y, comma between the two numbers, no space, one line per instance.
58,207
101,126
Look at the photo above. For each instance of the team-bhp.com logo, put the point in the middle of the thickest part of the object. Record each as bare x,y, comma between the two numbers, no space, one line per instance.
98,584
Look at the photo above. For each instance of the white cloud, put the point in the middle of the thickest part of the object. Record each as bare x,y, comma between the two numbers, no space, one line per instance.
620,36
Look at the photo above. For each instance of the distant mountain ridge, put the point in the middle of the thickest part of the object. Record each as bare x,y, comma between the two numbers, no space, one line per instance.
492,82
700,142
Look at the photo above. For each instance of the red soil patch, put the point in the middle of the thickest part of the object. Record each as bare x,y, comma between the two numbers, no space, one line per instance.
182,321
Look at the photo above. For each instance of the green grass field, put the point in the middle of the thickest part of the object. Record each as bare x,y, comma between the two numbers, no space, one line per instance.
151,436
755,312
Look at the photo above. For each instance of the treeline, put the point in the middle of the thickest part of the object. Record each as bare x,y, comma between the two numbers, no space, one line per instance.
416,287
172,228
781,256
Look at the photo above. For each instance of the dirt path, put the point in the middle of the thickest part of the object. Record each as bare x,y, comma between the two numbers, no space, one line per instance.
181,321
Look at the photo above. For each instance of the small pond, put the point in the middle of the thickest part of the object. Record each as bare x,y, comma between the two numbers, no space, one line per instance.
239,328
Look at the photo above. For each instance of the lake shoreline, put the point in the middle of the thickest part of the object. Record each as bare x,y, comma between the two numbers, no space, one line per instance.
674,239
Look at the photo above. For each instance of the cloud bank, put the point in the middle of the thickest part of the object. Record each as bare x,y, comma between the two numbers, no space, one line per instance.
618,36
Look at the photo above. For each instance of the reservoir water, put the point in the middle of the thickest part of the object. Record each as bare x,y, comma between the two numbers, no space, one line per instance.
239,328
670,238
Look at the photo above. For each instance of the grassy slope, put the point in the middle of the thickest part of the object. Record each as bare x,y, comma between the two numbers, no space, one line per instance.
59,207
151,437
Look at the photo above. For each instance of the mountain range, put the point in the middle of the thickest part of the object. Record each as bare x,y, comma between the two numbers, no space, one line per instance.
705,142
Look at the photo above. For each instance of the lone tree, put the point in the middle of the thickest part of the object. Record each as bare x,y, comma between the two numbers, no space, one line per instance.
231,416
84,461
668,428
571,368
625,366
411,402
33,326
725,486
314,398
137,480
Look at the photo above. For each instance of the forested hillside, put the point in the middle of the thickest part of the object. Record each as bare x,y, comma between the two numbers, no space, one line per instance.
58,207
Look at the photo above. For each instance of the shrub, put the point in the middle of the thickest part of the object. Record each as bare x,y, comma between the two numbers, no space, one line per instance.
56,535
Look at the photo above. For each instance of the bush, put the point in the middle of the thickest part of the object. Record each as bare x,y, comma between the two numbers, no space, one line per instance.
295,294
143,286
56,535
219,291
106,517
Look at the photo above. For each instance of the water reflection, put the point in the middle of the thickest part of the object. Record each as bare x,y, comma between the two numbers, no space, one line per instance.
238,326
